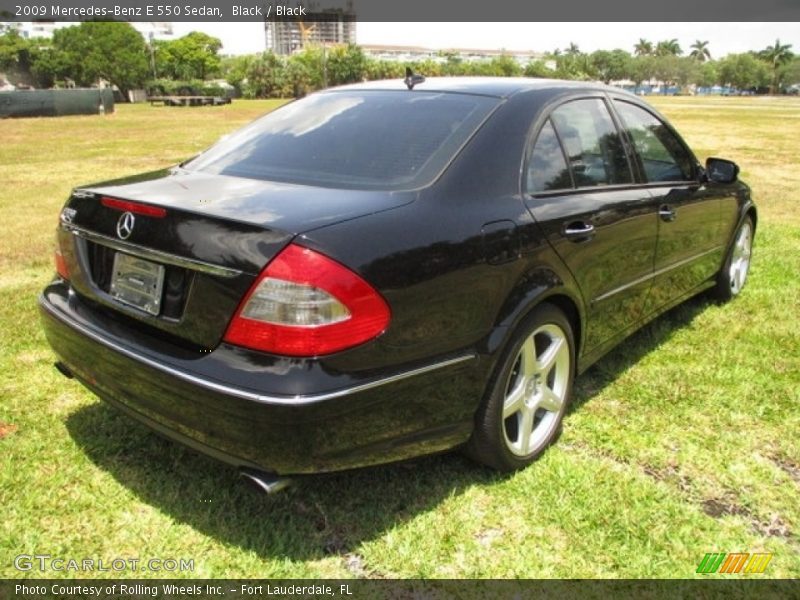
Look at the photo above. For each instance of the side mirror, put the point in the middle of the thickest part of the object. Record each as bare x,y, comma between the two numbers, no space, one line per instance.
720,170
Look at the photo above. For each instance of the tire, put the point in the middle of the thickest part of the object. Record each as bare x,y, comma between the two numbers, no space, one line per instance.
733,275
527,394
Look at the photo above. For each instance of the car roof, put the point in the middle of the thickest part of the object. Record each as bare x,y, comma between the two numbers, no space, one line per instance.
501,87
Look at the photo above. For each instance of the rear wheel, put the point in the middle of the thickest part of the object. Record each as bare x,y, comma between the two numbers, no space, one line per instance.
732,277
528,393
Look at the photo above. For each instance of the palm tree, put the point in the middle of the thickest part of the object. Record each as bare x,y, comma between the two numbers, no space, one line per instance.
776,56
573,49
668,48
700,51
643,48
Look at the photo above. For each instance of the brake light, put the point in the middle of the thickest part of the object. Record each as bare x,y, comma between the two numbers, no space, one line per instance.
133,207
306,304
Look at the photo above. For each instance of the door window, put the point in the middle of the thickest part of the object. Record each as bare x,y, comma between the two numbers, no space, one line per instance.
592,143
663,156
547,167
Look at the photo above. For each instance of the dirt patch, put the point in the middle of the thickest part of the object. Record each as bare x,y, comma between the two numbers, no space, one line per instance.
791,468
6,429
774,526
719,507
670,475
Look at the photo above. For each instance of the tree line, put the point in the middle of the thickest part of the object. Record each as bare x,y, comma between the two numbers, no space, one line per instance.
115,52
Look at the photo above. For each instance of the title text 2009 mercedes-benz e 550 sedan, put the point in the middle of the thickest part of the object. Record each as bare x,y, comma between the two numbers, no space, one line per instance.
380,271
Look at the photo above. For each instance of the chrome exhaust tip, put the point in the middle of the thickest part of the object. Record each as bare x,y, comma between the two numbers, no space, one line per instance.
264,482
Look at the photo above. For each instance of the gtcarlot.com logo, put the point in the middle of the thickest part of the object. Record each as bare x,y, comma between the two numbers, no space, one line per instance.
734,563
46,562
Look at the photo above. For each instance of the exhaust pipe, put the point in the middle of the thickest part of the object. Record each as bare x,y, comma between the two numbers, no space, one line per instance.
63,369
264,482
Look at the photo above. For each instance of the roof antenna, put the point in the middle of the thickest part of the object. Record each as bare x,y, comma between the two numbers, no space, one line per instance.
412,79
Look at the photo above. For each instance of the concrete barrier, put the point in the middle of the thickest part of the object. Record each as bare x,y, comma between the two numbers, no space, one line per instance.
56,103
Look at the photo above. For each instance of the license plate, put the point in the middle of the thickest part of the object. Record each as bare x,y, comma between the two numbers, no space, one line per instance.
137,282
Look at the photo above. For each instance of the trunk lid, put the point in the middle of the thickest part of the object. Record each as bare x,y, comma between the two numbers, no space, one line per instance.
175,251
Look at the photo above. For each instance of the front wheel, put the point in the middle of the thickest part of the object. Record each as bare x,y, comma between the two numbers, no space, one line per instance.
732,277
528,394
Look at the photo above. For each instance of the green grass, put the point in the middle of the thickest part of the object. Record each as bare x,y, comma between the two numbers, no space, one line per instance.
683,441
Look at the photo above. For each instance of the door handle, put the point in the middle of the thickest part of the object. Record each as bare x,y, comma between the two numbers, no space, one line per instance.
578,231
667,213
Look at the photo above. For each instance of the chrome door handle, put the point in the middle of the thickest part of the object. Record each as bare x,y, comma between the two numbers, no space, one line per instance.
579,231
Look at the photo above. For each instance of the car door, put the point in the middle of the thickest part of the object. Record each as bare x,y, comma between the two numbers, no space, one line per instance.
580,188
689,252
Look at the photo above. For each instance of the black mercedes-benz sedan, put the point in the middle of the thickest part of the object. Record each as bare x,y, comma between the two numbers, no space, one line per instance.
384,270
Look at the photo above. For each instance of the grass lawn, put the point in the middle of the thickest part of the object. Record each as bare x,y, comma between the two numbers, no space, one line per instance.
685,440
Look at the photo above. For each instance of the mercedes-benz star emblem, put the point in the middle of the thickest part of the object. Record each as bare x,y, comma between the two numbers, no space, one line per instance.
125,225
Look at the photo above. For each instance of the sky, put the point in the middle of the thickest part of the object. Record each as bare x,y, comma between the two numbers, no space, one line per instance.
723,38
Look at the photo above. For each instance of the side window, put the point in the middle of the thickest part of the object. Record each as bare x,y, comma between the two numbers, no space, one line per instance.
664,158
592,143
547,168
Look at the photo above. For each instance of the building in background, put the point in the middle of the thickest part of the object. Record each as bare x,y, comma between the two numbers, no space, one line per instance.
44,29
419,53
336,24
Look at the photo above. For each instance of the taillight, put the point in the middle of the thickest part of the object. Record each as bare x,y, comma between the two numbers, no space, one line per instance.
61,264
306,304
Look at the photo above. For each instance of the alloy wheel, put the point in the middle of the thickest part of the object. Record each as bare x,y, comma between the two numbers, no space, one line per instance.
536,390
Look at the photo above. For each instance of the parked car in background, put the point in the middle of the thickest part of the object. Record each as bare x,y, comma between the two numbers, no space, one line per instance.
381,271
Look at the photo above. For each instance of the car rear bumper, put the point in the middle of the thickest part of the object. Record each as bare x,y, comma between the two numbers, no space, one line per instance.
223,403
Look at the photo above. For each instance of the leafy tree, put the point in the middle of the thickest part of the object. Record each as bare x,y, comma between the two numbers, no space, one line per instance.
573,64
666,70
790,72
234,69
305,72
668,48
776,56
700,51
94,50
686,69
706,74
345,64
504,66
643,48
429,68
19,58
14,51
537,68
193,56
642,69
611,65
743,71
384,69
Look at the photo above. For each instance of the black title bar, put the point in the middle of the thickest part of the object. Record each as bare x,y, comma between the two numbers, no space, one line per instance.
394,10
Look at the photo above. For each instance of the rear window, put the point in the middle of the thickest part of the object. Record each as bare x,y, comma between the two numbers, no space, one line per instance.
361,140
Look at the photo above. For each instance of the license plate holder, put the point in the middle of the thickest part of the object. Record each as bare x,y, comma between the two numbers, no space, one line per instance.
137,282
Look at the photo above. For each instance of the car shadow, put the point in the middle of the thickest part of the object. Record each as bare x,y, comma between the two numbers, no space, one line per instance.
321,515
635,347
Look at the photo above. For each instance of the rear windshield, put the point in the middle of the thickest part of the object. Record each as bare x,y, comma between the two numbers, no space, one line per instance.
360,140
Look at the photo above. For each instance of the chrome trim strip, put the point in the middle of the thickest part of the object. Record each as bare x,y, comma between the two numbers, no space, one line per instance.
654,274
149,254
245,394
